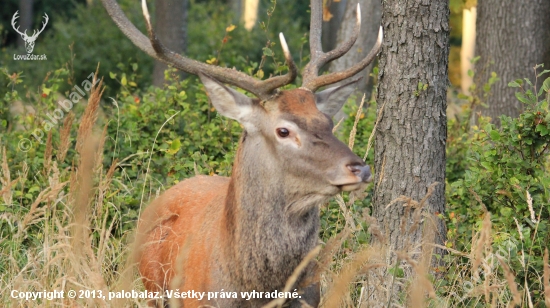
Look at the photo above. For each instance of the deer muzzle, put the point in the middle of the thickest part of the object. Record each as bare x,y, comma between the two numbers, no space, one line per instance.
362,172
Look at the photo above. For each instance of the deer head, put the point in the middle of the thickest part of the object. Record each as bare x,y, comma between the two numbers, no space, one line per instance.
29,40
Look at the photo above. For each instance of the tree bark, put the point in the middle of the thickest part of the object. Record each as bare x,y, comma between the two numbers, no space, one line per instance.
371,11
512,37
331,27
25,20
411,135
171,29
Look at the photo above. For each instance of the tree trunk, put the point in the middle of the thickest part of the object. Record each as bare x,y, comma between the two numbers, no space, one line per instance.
250,15
171,29
467,50
411,135
371,11
512,37
237,7
25,20
332,20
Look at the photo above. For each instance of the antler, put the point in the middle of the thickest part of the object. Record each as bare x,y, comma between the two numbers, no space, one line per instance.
15,16
311,78
153,47
44,23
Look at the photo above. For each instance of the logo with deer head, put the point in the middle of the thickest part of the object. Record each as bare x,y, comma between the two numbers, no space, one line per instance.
29,40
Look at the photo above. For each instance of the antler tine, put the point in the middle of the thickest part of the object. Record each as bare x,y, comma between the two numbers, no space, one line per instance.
311,78
331,78
278,81
318,57
154,48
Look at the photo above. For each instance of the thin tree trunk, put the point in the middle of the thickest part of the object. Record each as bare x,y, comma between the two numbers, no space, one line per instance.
250,15
467,50
512,37
332,21
411,135
371,11
25,20
171,29
237,7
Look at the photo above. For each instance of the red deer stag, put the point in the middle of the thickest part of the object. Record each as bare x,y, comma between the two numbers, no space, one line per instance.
250,231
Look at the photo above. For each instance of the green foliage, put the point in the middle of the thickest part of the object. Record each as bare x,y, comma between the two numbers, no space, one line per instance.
177,123
504,171
87,35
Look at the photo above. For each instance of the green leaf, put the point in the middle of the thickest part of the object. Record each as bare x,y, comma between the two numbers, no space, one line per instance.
542,129
397,272
268,52
487,165
494,135
123,81
514,84
521,97
546,84
174,147
46,90
543,72
112,75
506,211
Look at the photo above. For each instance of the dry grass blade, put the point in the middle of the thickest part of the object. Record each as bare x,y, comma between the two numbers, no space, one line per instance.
546,278
35,212
326,255
64,137
90,113
372,134
278,302
347,214
477,251
354,128
335,128
511,279
5,179
48,153
358,266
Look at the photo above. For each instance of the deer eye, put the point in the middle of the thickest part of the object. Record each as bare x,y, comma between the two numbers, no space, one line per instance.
283,132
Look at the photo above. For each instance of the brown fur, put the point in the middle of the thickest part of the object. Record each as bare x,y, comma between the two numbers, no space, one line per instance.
249,232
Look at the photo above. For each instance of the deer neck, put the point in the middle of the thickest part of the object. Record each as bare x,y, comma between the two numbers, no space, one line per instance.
266,239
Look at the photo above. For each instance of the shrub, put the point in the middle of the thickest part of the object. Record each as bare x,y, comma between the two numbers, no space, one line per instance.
505,171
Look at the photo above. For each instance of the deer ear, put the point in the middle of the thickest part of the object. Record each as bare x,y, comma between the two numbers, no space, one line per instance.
228,102
331,100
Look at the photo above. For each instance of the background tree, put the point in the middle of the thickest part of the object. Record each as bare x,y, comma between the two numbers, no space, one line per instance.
171,28
411,135
333,17
250,13
25,20
512,37
371,11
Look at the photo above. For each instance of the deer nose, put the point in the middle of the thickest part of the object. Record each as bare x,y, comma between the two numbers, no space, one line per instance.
362,172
